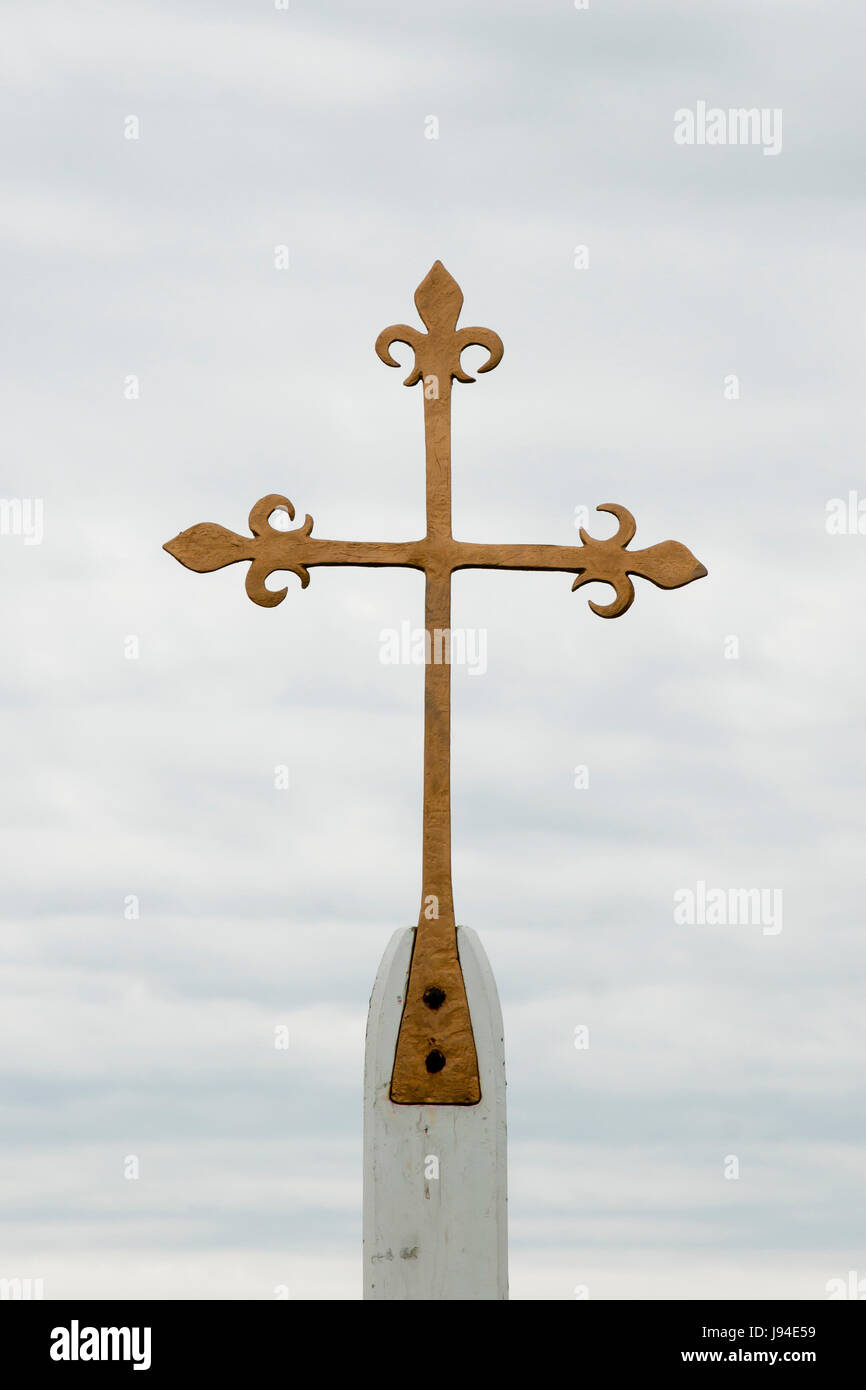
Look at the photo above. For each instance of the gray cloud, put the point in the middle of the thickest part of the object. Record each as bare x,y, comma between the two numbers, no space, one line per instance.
155,776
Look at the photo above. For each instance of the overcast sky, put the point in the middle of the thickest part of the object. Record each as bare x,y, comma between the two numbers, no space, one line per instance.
738,764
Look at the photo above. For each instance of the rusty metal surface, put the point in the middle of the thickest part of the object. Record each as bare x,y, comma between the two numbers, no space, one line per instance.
435,1061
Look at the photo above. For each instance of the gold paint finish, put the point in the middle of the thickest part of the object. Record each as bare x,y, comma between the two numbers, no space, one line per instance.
435,1061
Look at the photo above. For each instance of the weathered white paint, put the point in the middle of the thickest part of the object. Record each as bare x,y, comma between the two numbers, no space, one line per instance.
429,1237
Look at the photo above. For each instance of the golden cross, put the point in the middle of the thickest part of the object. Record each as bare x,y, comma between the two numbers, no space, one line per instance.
435,1061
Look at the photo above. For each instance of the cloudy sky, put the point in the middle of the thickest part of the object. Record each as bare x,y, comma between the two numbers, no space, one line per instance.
705,369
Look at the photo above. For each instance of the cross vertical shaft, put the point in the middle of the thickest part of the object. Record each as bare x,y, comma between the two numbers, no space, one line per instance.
436,864
436,889
435,1053
435,1058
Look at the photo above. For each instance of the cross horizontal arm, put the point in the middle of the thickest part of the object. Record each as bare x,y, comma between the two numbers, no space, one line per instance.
209,547
668,565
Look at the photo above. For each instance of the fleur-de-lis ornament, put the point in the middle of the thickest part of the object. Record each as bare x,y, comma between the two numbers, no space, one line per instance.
435,1061
439,300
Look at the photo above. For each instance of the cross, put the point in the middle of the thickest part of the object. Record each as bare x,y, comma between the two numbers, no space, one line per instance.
435,1060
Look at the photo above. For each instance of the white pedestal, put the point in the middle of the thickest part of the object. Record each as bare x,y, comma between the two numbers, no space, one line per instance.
435,1223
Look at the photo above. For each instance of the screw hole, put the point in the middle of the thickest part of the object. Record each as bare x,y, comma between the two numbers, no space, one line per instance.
434,997
434,1061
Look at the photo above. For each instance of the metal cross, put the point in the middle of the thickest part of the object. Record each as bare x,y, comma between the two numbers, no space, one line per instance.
435,1061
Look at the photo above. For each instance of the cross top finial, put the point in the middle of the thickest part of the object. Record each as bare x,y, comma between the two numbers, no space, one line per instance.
439,300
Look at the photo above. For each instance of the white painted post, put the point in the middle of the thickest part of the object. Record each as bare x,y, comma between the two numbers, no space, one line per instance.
435,1224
